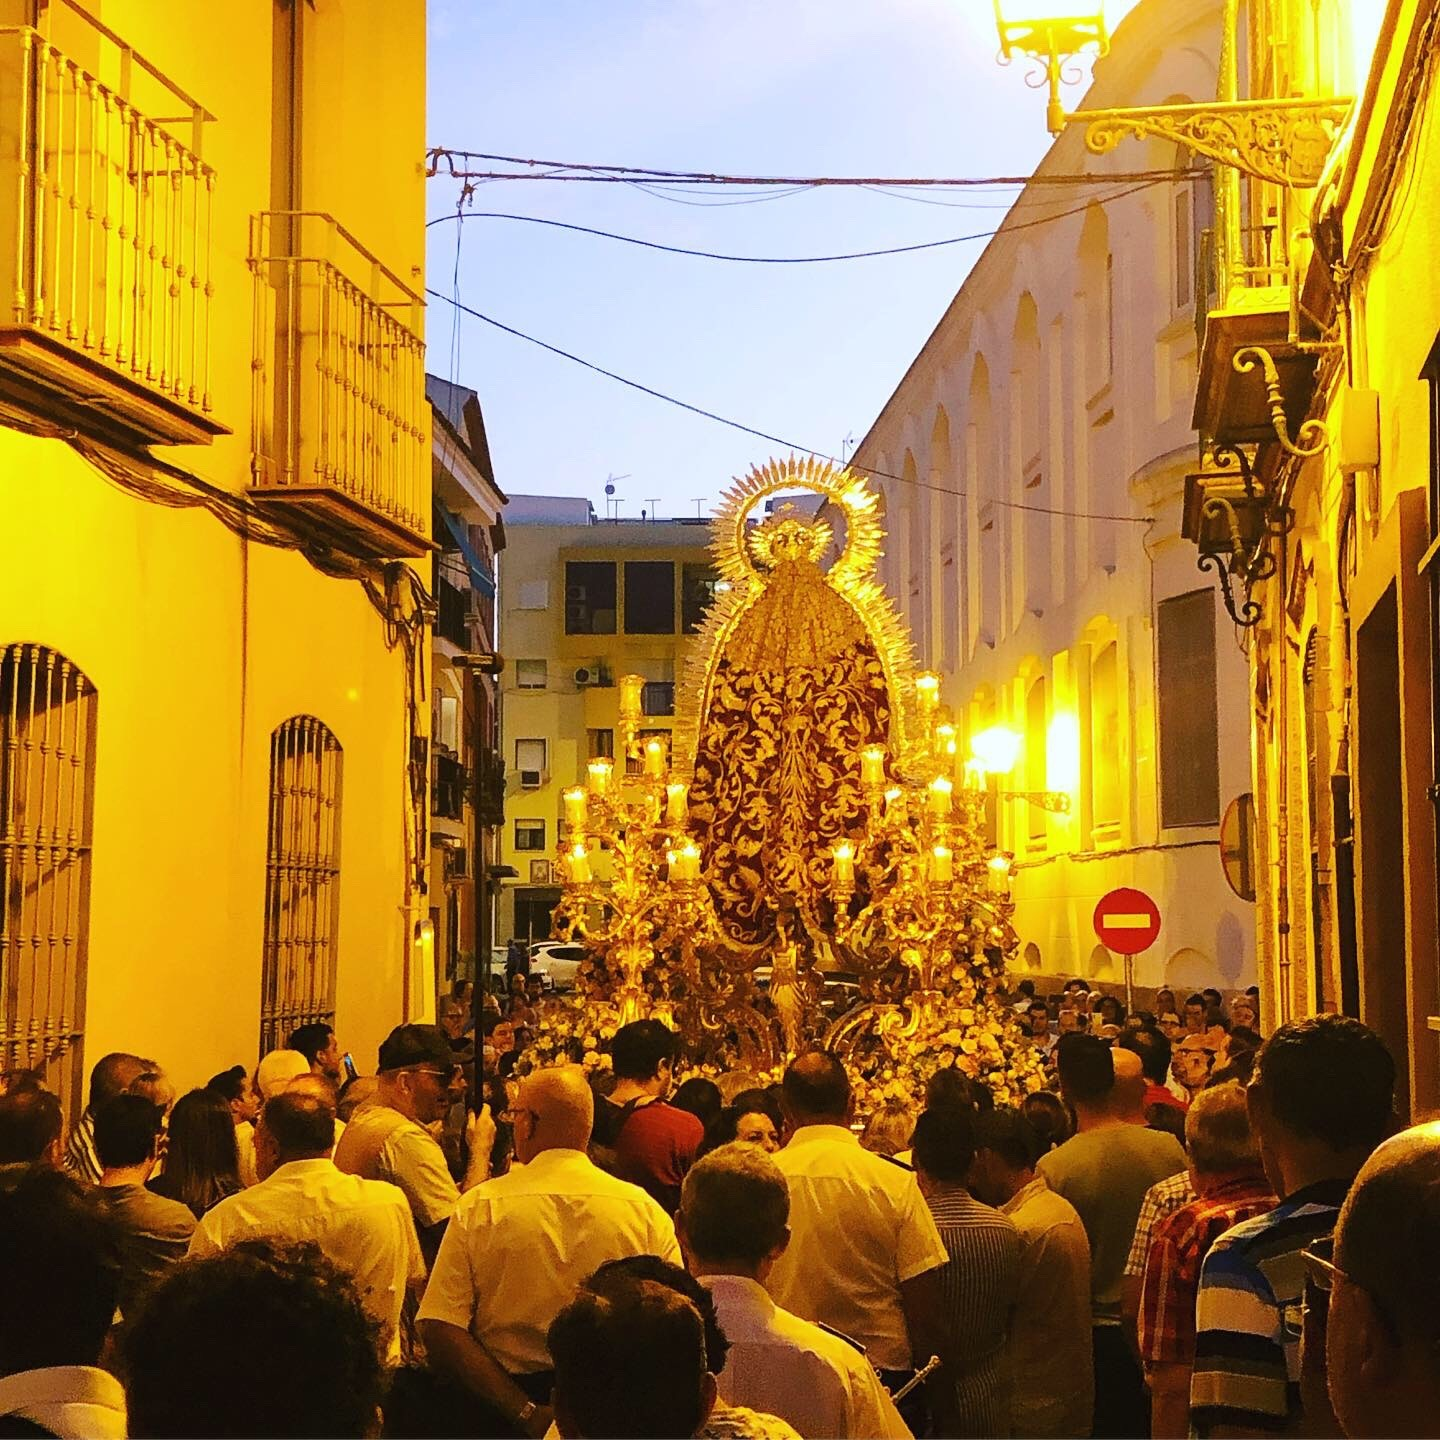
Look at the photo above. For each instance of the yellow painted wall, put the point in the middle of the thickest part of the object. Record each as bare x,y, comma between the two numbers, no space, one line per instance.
199,643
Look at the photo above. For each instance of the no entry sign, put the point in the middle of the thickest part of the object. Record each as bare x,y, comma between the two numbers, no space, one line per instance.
1127,921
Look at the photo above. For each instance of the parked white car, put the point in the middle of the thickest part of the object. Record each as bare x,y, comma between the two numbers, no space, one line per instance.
557,961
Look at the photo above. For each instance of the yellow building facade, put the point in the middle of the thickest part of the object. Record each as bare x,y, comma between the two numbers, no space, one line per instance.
1335,545
583,603
1033,462
214,509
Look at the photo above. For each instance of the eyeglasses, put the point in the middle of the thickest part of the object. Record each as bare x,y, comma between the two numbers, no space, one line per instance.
447,1075
1322,1270
509,1116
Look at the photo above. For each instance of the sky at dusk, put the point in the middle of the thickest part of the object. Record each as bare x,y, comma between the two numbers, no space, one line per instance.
808,353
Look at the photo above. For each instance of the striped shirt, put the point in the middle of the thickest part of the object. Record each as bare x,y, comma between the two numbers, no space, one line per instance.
980,1285
1248,1315
1163,1198
81,1161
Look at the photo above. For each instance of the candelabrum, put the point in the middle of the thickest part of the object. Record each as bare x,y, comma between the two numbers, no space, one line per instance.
921,904
651,914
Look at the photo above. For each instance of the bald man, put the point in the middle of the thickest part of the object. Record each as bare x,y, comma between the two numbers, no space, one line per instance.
1383,1341
519,1245
1127,1099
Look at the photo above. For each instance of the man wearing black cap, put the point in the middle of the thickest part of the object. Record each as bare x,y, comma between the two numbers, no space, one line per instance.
387,1139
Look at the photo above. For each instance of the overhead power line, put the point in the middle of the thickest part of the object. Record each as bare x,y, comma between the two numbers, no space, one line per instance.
456,164
766,435
790,259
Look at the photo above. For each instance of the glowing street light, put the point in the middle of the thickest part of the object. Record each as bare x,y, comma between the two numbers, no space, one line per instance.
996,749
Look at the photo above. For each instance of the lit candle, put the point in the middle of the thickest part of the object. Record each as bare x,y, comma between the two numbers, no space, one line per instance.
945,739
998,874
630,688
575,808
685,863
579,865
942,865
872,766
974,775
676,803
893,799
655,758
844,854
939,791
927,695
599,776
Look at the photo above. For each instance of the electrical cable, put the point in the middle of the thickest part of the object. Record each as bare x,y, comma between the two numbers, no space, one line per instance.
626,174
776,439
793,259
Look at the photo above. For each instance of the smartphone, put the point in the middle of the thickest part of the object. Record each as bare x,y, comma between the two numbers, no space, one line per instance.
350,1071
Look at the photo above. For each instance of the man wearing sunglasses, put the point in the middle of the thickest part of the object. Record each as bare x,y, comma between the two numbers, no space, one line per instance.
388,1138
1383,1342
1320,1101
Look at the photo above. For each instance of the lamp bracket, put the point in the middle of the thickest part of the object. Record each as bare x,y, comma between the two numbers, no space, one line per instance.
1315,432
1238,564
1283,142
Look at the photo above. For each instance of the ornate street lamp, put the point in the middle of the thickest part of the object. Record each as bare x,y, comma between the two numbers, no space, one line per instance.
1283,141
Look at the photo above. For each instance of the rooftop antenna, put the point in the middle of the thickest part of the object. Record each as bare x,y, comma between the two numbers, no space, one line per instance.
612,505
845,445
654,505
699,501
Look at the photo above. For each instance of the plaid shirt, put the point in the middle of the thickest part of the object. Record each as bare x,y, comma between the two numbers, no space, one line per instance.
1172,1267
1161,1199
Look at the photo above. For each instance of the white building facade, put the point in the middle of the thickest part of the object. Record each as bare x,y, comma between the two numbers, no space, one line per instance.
1033,460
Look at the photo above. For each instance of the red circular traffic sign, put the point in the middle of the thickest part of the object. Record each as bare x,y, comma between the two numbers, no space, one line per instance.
1127,921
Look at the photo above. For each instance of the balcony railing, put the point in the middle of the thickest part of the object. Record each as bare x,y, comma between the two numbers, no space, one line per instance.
448,788
106,242
340,444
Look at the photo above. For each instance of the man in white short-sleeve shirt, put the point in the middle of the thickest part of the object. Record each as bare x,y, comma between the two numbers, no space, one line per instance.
363,1226
864,1253
518,1246
732,1226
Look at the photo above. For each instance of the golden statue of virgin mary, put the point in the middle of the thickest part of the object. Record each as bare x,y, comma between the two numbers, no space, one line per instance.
794,676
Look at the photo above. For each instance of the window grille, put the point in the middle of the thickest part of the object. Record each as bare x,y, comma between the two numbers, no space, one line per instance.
47,778
302,880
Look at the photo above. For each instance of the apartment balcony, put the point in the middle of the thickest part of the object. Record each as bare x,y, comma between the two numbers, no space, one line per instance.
448,789
452,620
105,239
341,443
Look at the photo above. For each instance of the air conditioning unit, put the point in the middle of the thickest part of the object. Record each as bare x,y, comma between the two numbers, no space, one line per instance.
531,779
587,675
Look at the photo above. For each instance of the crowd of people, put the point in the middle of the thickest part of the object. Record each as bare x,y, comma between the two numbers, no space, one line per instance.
1154,1247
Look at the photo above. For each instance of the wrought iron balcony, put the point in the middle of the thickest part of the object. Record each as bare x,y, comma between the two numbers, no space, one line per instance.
341,438
448,789
106,241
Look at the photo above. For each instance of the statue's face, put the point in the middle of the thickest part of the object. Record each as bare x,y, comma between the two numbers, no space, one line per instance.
788,536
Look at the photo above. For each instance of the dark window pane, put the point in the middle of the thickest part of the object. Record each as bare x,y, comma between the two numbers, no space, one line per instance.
649,597
697,593
658,698
529,834
1189,720
589,597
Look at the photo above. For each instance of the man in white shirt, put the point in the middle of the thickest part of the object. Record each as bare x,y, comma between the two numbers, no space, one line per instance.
865,1255
362,1226
518,1246
57,1256
732,1225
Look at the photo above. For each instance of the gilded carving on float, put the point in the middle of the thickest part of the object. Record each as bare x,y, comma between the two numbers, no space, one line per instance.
813,820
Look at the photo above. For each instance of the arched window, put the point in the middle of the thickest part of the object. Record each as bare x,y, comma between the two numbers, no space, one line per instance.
47,788
1036,720
1105,746
1097,271
302,880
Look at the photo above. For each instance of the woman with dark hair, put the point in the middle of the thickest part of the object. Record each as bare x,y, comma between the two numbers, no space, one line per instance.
754,1118
202,1163
1050,1119
701,1097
